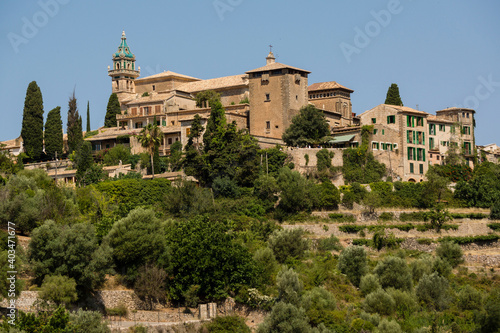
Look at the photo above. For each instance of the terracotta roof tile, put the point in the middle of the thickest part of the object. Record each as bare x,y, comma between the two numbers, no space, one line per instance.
214,84
273,66
326,86
150,98
167,74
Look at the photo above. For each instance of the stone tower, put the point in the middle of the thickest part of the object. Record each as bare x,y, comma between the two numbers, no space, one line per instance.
123,72
277,92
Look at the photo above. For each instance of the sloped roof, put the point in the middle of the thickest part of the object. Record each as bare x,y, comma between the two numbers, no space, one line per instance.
407,109
456,109
274,66
167,74
146,99
439,119
214,84
326,86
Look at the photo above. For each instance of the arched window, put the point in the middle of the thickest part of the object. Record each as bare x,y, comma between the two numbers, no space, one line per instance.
117,65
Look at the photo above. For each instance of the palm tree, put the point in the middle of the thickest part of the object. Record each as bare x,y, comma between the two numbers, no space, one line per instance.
150,138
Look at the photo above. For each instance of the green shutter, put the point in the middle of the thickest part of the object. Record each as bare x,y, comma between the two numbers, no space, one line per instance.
423,138
414,137
423,154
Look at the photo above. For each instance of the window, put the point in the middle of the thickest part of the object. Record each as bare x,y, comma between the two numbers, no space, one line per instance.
157,123
146,110
169,141
421,168
172,122
410,136
437,156
452,129
467,114
411,167
268,125
391,119
420,121
466,130
411,154
442,128
154,87
138,125
163,123
268,97
188,131
375,145
157,109
374,120
375,131
431,143
383,132
432,129
410,121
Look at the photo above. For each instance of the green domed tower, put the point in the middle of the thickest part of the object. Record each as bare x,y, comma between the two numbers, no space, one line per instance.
123,72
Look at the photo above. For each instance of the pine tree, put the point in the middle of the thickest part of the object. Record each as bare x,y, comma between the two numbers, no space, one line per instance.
54,133
32,127
112,110
393,97
74,126
88,117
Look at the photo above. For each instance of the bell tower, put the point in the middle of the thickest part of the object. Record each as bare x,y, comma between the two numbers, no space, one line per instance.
123,73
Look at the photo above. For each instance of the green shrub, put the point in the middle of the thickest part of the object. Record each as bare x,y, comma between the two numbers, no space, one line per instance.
351,228
329,244
469,239
495,211
121,310
441,266
59,289
369,283
494,226
387,326
414,216
228,324
379,302
470,299
424,241
353,263
393,272
433,290
265,265
386,216
450,252
420,267
339,217
362,241
289,286
86,322
406,302
288,243
318,298
285,318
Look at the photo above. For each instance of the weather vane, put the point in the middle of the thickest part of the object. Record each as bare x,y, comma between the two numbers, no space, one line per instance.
270,48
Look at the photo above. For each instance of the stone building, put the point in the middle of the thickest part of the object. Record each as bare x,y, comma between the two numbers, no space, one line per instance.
262,101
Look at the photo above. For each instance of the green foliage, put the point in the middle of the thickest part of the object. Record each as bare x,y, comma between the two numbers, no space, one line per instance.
329,244
393,97
137,239
53,135
186,199
491,320
351,228
359,165
386,216
72,251
6,260
266,189
273,159
74,126
121,310
266,265
308,127
295,191
87,322
369,283
388,326
59,289
84,161
150,284
433,291
225,187
112,109
439,216
483,190
116,154
88,119
340,217
150,138
32,126
318,298
175,158
324,159
420,267
495,214
451,252
393,272
372,201
326,196
494,226
454,172
203,252
414,216
284,318
470,299
470,239
353,263
379,302
288,244
228,324
289,286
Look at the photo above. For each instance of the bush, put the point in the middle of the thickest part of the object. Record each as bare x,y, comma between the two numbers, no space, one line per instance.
285,318
59,289
415,216
393,272
351,228
433,290
386,216
225,187
288,243
495,211
494,226
266,265
450,252
353,263
387,326
329,244
420,267
369,283
491,320
289,286
470,299
339,217
87,322
121,310
228,324
470,239
406,302
319,299
380,302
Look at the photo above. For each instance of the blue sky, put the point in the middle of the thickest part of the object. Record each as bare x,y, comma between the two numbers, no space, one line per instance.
440,53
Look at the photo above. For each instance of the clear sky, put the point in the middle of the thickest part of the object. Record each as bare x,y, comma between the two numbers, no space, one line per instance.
440,53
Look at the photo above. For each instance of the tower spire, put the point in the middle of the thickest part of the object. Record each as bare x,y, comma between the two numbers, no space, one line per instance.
270,59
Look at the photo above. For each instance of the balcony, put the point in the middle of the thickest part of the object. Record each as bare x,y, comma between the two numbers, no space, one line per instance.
124,71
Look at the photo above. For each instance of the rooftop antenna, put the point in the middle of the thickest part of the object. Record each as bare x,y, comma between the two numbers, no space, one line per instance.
417,107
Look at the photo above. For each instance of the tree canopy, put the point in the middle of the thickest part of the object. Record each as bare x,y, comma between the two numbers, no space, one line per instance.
393,97
74,126
308,127
32,127
112,110
54,133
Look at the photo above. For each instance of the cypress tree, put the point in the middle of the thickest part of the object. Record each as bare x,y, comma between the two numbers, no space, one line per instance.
393,97
84,160
112,110
74,126
54,133
32,127
88,117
